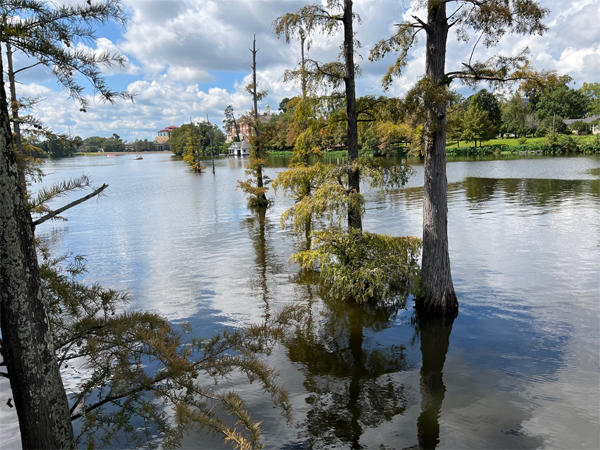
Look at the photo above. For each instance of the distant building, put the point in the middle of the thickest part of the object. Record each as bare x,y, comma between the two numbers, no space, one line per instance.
161,141
245,125
239,148
594,127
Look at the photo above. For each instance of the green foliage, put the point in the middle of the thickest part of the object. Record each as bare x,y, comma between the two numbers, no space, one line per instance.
144,145
488,102
534,88
455,122
57,147
283,104
255,187
514,116
93,144
113,144
330,197
592,93
137,365
562,101
362,266
190,137
476,125
230,123
554,145
580,126
50,33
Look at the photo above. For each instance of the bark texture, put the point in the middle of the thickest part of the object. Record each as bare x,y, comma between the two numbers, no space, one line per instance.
14,106
27,346
354,218
438,294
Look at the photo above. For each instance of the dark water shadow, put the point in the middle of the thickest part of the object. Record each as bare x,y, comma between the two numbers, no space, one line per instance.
435,340
355,374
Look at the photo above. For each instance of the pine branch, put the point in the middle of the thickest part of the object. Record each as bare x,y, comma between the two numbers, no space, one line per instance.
69,206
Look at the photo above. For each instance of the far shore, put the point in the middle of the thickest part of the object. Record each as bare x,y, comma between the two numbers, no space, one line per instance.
119,153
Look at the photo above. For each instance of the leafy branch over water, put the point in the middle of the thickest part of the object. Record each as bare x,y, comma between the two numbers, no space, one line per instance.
138,366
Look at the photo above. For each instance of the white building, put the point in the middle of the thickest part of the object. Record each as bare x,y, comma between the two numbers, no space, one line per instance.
239,148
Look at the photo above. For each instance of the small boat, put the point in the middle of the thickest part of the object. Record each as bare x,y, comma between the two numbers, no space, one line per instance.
110,155
137,158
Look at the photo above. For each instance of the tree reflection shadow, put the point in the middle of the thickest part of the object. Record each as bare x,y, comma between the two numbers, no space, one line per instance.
349,378
352,375
265,262
435,340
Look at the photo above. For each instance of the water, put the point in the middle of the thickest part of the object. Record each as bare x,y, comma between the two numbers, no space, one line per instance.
518,367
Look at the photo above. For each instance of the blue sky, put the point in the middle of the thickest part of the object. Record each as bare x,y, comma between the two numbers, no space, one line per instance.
190,58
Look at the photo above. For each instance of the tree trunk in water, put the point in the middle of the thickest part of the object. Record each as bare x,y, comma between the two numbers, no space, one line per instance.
27,346
262,198
438,294
354,218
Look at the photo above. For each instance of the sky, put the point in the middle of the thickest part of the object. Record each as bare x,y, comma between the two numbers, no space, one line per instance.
190,59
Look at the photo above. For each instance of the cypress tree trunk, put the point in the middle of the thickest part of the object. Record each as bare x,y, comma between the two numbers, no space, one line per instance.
438,294
262,198
27,346
15,110
354,219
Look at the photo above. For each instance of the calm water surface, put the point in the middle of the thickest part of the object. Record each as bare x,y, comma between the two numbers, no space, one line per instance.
518,367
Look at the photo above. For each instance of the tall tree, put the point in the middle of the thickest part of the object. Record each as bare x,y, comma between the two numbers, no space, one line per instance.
47,33
490,20
592,92
256,188
488,102
27,346
514,116
564,102
230,123
534,88
330,18
476,125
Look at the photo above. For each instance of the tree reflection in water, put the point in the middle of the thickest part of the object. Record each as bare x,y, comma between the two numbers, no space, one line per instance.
350,383
265,262
435,339
350,377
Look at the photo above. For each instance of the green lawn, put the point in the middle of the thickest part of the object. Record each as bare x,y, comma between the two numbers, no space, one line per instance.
509,141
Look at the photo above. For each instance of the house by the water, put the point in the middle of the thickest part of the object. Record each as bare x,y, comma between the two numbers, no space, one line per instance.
239,148
594,128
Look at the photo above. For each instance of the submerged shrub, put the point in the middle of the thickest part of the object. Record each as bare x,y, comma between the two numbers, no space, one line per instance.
362,266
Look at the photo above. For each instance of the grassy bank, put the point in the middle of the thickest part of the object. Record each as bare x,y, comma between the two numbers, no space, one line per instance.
512,141
564,144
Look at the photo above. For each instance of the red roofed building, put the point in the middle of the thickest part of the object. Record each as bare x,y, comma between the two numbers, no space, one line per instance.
164,134
161,141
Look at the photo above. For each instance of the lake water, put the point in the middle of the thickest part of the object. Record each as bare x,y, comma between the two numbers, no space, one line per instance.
518,367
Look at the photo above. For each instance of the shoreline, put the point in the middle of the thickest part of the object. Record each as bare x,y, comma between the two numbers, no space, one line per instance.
119,153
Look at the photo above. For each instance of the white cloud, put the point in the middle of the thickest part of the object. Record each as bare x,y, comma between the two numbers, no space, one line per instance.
189,74
191,58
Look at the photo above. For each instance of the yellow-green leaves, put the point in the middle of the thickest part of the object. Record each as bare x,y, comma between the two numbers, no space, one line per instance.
330,198
362,266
